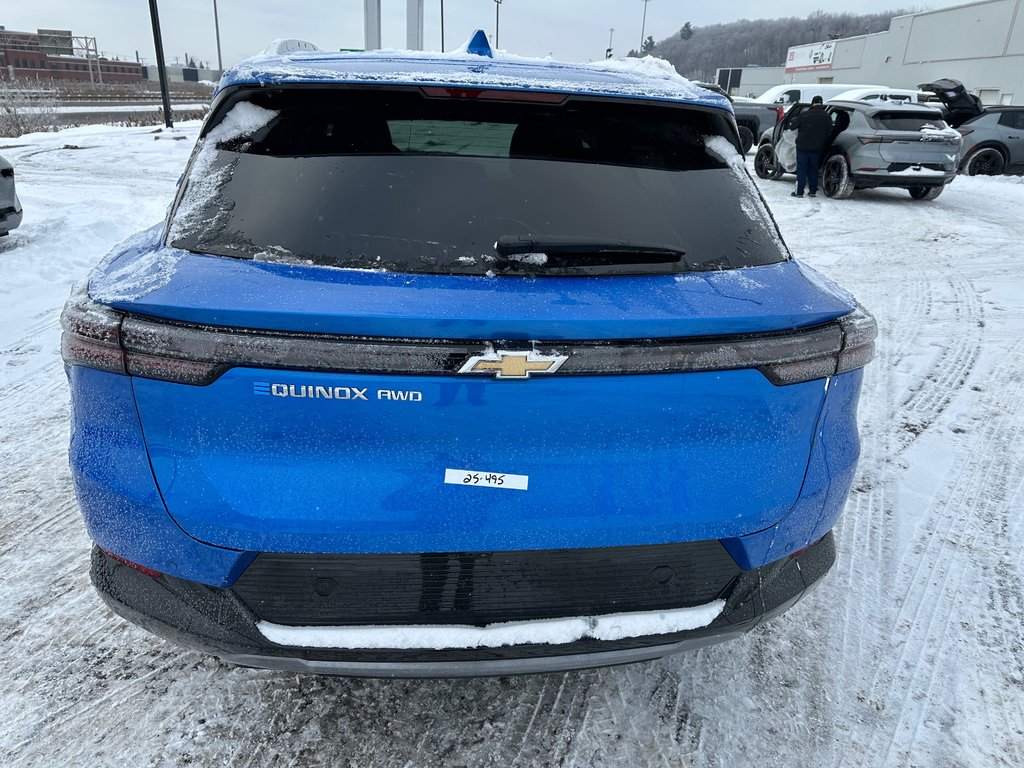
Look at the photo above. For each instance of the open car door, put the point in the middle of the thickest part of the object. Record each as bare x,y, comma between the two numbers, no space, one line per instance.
784,139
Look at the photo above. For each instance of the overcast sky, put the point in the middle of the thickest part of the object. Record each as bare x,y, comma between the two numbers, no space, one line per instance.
567,29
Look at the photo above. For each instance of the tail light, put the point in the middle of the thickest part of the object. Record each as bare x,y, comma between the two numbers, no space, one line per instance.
493,94
875,139
859,333
815,357
96,336
92,333
779,113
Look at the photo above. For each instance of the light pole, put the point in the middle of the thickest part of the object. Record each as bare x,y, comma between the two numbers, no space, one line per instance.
442,26
608,53
497,21
216,27
643,27
161,68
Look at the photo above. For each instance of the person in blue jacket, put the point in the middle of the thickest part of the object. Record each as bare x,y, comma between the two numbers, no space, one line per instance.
814,127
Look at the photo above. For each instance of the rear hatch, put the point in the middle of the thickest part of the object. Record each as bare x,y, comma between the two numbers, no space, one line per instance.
397,321
915,140
960,105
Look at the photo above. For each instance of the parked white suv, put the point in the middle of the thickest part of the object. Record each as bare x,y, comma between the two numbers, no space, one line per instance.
882,95
802,93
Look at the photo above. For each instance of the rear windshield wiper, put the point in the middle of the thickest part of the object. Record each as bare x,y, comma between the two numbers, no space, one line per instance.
568,250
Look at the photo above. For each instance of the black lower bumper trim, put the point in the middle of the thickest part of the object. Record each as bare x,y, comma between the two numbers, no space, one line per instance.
868,181
481,588
218,621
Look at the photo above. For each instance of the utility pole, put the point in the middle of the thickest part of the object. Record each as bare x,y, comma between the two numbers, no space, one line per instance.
414,25
497,21
371,25
608,52
161,68
442,26
216,27
643,29
99,67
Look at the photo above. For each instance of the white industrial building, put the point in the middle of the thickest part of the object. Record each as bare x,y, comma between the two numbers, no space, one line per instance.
980,44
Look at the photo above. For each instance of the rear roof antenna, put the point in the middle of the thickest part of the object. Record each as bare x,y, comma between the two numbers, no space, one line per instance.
478,44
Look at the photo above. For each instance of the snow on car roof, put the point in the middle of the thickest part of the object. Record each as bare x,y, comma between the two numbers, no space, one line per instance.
476,66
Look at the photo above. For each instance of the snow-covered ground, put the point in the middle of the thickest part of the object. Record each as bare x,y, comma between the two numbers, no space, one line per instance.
911,653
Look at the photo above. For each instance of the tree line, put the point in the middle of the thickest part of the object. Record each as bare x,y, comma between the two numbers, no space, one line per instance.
696,52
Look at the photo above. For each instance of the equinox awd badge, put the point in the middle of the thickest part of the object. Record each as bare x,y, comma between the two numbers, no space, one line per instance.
316,392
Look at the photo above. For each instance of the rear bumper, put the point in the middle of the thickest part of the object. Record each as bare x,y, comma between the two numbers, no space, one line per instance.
10,219
225,622
884,179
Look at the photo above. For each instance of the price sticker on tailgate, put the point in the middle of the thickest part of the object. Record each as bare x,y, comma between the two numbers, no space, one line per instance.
482,479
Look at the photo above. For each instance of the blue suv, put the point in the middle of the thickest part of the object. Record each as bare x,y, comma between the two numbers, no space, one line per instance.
455,364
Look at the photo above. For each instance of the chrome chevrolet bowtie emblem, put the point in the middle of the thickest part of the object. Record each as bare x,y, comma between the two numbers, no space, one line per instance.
513,365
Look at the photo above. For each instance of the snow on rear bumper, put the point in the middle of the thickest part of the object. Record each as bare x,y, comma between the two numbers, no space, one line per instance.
613,626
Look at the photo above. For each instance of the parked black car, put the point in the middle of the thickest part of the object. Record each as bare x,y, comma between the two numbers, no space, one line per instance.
752,117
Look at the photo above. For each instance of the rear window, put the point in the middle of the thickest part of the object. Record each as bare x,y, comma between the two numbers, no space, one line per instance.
401,181
907,121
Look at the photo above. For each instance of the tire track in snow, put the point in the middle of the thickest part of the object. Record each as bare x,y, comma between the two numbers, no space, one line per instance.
913,307
948,372
866,529
864,534
943,377
972,502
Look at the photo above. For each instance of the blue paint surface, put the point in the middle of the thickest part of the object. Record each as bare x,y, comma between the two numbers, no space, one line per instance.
116,491
611,460
343,301
830,472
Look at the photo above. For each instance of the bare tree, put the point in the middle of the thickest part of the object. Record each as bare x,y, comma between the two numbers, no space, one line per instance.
25,107
697,51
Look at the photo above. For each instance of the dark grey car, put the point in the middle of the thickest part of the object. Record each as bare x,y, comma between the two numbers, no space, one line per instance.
993,136
10,206
872,145
993,142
